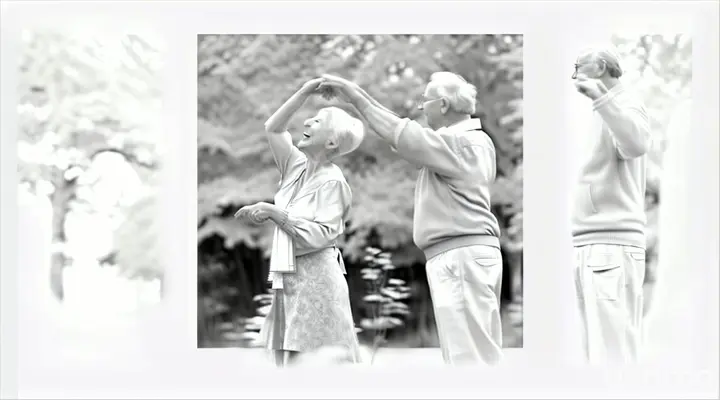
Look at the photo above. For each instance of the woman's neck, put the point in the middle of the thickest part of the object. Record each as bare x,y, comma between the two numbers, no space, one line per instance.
315,163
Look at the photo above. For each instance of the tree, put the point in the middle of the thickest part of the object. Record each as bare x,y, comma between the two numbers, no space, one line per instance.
659,67
138,239
81,96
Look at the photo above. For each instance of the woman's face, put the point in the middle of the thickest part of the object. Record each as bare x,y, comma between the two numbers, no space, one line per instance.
318,132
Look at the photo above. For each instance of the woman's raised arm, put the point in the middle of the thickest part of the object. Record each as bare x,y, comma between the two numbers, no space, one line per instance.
276,126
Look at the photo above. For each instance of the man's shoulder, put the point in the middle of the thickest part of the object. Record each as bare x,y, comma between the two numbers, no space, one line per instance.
631,96
466,133
475,138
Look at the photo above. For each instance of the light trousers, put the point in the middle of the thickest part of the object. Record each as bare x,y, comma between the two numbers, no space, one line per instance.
465,286
609,288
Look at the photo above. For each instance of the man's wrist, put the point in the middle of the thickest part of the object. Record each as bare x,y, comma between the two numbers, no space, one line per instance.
602,91
601,100
361,102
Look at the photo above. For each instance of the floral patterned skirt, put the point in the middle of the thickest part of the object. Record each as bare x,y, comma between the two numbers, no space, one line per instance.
312,310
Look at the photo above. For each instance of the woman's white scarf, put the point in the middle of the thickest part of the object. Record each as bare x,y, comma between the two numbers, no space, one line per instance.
282,258
282,255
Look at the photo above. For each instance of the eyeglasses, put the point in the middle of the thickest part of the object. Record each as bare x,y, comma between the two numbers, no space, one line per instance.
422,102
577,67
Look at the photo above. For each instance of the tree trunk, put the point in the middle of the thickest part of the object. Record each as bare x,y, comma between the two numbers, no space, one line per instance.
515,311
425,317
517,278
61,199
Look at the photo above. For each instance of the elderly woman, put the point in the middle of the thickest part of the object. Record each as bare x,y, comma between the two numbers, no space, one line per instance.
311,303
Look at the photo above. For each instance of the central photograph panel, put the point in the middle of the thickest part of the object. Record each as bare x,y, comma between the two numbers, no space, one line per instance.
360,198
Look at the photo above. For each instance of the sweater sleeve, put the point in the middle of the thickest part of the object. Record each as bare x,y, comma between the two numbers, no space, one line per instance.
629,125
423,146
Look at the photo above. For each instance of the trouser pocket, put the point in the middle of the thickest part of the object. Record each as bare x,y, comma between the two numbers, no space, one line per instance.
607,277
638,265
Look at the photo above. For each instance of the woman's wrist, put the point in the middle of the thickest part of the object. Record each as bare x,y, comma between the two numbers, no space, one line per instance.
276,214
306,90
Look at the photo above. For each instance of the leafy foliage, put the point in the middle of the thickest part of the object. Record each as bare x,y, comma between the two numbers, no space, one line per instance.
242,79
81,96
385,296
137,239
659,67
384,300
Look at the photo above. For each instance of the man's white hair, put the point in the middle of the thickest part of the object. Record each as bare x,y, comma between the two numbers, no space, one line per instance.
460,93
348,130
605,53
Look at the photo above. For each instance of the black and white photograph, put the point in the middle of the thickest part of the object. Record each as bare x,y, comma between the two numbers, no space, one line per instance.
89,163
629,95
360,198
282,199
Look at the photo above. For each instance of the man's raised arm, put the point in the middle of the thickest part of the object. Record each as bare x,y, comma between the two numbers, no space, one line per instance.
629,126
413,142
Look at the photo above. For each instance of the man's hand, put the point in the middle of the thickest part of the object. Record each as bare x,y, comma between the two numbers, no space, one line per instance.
592,88
339,81
347,91
256,213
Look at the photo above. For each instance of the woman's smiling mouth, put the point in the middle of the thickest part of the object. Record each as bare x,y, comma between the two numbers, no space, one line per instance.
305,134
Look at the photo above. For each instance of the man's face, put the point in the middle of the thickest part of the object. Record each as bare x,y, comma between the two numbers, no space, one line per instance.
587,67
432,105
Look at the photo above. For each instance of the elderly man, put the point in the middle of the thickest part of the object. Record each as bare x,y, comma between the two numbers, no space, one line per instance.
453,224
608,218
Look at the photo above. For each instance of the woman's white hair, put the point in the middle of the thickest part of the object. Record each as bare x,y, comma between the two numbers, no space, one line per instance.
460,93
348,130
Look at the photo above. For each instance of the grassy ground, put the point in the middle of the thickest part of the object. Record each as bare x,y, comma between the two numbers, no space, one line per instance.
511,317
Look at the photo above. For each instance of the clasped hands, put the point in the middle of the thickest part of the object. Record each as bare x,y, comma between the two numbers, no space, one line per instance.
330,86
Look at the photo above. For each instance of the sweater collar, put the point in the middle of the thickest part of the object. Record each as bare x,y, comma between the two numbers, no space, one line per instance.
471,124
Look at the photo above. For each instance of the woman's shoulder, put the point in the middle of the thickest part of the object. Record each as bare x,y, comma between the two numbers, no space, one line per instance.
335,173
330,177
295,168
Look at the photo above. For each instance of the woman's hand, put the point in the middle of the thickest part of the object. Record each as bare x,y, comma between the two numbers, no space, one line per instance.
256,213
311,86
263,211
